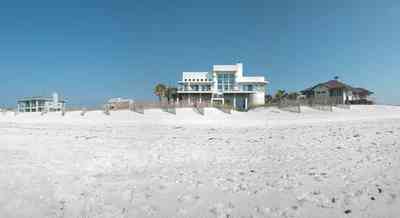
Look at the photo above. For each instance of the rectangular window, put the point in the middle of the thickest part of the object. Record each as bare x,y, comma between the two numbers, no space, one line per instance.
226,81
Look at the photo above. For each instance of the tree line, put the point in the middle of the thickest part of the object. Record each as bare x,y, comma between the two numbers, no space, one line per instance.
163,92
280,95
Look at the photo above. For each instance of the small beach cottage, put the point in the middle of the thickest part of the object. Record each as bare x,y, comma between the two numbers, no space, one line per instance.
338,91
119,103
41,104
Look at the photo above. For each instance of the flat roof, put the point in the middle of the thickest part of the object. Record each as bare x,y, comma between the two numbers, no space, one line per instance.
38,98
252,79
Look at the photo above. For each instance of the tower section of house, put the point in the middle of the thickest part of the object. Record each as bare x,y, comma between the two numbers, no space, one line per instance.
224,84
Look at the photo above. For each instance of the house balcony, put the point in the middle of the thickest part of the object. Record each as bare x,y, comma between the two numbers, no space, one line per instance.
195,91
195,88
208,82
237,89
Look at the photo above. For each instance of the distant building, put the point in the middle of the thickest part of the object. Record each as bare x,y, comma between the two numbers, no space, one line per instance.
119,103
341,92
225,84
41,104
361,94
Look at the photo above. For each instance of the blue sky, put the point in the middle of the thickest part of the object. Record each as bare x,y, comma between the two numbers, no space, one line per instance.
92,50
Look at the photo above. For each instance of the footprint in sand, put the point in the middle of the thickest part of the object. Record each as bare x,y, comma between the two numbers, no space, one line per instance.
149,209
221,210
188,198
182,212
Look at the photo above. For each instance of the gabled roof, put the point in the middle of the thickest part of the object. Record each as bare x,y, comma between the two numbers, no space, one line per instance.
335,84
331,84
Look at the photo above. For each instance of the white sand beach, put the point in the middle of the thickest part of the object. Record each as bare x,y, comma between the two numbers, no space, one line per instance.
263,163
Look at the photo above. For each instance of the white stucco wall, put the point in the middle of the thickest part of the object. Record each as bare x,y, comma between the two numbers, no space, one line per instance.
239,70
321,91
348,94
194,76
257,98
225,68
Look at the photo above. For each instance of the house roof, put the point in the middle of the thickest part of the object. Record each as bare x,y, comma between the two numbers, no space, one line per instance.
252,79
335,84
39,98
331,84
362,91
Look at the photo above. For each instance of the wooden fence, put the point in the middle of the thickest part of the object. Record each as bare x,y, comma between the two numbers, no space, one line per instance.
289,105
323,104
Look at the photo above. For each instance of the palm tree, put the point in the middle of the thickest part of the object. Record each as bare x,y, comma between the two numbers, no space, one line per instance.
280,94
268,99
171,93
160,91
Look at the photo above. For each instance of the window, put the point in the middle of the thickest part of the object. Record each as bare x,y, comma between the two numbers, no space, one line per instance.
225,81
247,87
185,80
195,88
260,88
190,80
202,80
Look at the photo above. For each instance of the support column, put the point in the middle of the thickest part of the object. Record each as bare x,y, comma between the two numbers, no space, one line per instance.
200,98
37,106
189,99
245,103
234,101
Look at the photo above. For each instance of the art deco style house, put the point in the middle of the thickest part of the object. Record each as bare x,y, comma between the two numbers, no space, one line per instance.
41,104
224,84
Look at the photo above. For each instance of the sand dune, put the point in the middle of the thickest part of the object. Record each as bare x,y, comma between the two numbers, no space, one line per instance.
264,163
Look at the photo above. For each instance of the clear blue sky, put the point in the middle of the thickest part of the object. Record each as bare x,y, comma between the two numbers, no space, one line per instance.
92,50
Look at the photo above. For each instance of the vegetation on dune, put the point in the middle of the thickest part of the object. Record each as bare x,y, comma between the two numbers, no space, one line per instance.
160,91
169,93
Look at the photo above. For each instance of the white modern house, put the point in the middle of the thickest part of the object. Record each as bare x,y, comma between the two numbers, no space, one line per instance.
224,84
41,104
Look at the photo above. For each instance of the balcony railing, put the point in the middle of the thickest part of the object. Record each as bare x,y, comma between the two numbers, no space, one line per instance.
236,88
197,89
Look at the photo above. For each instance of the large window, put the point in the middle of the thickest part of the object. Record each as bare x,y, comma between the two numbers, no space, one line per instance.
247,87
260,88
226,81
195,87
205,88
254,87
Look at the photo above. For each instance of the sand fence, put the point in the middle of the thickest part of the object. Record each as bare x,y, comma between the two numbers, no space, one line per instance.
289,105
172,106
322,104
200,108
318,103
